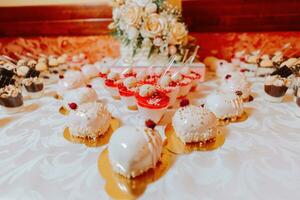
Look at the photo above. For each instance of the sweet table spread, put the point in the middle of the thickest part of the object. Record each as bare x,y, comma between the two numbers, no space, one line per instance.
258,160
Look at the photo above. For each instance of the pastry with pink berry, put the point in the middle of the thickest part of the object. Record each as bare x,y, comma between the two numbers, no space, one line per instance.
237,81
134,150
194,124
71,80
225,106
78,96
89,120
152,102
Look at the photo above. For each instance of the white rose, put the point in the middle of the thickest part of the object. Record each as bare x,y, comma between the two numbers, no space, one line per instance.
151,8
132,33
158,42
131,14
116,13
146,42
153,26
143,3
178,33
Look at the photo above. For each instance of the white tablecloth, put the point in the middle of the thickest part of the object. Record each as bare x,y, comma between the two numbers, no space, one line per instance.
259,160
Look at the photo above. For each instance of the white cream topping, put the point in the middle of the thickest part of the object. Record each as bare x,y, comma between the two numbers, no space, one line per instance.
41,66
147,90
9,91
80,96
134,150
194,124
22,70
237,82
225,105
130,82
113,76
266,63
89,71
89,120
276,81
289,63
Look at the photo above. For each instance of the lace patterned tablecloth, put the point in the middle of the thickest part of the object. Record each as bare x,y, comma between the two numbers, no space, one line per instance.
259,160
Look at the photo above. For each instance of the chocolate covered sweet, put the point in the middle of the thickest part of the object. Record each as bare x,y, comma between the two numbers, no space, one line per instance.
34,86
275,88
11,98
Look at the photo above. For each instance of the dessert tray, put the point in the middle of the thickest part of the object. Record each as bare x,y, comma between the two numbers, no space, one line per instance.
252,159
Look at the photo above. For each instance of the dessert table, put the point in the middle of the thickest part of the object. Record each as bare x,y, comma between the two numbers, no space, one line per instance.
259,159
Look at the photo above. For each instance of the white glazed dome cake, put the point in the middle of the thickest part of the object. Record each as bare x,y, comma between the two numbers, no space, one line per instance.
225,105
89,71
194,124
234,82
80,96
89,120
224,67
71,80
134,150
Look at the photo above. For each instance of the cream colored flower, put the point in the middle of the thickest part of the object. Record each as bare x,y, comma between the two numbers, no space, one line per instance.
153,25
178,33
131,14
158,42
151,8
116,13
142,3
132,33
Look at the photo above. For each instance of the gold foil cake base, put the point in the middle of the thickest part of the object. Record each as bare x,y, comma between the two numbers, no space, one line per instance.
226,121
175,145
120,187
93,142
62,110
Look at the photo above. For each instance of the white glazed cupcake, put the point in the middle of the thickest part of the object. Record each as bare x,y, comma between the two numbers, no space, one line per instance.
194,124
223,67
134,150
79,96
89,120
237,81
225,105
71,80
89,71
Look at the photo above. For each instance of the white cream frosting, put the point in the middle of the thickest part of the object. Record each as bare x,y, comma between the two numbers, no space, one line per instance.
52,61
146,90
41,66
194,124
276,81
113,76
89,71
89,120
237,82
79,96
130,82
22,70
289,63
134,150
225,105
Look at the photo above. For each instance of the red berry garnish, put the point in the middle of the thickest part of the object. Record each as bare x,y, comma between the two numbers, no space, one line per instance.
239,93
228,76
89,86
73,106
150,124
242,70
61,76
184,102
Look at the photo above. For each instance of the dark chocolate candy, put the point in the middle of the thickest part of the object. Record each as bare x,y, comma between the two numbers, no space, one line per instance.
275,91
12,102
6,77
283,71
298,101
35,87
32,73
